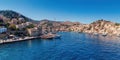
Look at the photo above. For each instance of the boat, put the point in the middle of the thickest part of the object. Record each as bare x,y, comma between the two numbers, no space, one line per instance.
50,36
104,34
46,37
79,32
96,34
57,36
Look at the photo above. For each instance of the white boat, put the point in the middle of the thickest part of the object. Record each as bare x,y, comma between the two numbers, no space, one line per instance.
118,35
96,34
57,36
104,34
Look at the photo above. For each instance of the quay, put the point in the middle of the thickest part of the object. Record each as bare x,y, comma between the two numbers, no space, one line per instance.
46,36
17,40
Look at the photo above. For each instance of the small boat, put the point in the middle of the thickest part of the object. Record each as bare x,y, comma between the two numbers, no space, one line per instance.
57,36
79,32
104,34
96,34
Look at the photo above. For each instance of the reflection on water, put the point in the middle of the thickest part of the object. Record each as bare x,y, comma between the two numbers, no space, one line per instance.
29,43
71,46
104,38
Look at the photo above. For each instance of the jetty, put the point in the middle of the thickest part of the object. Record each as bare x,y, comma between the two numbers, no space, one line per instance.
16,40
45,36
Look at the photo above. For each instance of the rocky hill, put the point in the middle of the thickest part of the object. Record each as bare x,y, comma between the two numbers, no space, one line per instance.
13,19
107,27
13,15
99,27
54,26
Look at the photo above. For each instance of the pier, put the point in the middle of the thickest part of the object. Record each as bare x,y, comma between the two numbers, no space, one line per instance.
16,40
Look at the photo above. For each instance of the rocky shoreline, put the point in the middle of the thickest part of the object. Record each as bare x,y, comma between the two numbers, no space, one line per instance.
102,27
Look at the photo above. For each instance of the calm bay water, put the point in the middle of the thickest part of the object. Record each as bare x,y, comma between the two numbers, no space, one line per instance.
71,46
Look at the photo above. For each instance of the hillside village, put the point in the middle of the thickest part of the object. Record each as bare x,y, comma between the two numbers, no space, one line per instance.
17,25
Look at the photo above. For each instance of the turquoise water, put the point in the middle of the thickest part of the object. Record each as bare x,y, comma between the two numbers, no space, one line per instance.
71,46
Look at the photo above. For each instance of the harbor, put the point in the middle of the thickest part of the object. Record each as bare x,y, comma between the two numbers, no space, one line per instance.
45,36
71,45
16,40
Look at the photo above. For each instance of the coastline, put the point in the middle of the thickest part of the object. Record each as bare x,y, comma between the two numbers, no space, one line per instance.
17,40
46,36
32,38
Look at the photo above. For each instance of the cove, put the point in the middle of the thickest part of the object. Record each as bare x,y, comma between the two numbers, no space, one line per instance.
71,46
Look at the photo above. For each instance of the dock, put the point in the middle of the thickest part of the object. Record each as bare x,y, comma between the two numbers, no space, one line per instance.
16,40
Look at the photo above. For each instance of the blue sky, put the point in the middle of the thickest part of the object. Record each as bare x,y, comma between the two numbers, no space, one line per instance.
85,11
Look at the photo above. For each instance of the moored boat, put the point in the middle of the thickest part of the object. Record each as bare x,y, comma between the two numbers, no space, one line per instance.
50,36
104,34
57,36
118,35
96,34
